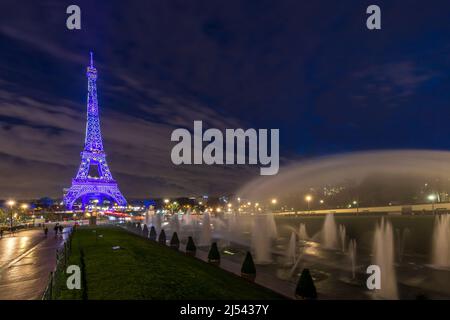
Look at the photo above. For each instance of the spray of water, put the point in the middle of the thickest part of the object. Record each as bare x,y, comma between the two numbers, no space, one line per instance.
352,256
342,236
329,232
292,248
441,241
383,256
351,166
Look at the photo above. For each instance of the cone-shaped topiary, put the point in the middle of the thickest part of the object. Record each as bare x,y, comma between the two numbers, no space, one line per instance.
248,269
145,231
214,254
152,234
305,286
162,237
190,247
174,242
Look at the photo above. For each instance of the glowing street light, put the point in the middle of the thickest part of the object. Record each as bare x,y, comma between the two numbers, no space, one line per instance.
274,201
11,204
321,201
166,201
357,205
24,206
432,197
308,199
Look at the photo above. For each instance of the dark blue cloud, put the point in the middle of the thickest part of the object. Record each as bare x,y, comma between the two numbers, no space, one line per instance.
310,68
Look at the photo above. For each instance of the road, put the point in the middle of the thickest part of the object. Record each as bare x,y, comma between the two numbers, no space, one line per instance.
26,260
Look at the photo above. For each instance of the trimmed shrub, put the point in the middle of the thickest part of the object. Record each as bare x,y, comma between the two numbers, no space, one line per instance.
145,231
248,269
190,247
214,254
305,286
175,242
152,234
162,237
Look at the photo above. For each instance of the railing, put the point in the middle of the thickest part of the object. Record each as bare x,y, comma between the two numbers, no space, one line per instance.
57,275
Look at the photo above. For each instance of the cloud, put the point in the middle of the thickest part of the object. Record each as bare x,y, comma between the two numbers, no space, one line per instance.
40,148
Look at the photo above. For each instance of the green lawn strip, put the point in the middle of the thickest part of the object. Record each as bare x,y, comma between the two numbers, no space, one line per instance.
142,269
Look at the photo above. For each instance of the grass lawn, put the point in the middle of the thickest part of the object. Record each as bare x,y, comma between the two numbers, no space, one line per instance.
142,269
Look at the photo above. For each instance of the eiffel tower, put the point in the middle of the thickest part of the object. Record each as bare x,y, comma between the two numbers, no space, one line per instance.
94,180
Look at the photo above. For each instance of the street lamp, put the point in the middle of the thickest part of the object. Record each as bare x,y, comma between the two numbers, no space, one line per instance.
308,199
432,198
11,204
357,206
274,201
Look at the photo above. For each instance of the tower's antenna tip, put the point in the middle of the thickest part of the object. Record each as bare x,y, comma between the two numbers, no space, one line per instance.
92,59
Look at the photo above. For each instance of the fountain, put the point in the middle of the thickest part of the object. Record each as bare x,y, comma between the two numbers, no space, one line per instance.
175,223
302,234
352,256
441,241
205,236
156,222
290,254
261,239
383,256
401,238
342,235
329,232
271,226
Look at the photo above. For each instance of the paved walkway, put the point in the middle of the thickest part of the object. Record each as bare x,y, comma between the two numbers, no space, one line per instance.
26,260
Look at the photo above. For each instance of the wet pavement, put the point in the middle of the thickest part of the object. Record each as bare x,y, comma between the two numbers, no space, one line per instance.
26,260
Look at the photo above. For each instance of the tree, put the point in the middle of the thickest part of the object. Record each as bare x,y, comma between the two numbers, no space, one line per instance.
175,242
152,235
248,269
305,286
162,237
145,231
214,254
190,247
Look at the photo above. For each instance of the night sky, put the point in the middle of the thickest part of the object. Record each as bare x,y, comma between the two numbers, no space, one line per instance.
310,68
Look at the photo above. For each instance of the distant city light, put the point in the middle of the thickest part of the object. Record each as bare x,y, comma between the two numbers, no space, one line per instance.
308,198
166,200
11,203
274,201
432,197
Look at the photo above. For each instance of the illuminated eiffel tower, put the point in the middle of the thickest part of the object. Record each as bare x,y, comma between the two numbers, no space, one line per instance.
94,181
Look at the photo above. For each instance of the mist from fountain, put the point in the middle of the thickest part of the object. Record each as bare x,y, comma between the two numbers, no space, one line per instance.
261,239
401,237
302,234
175,223
352,256
342,236
383,256
441,241
292,248
205,235
329,232
156,222
271,226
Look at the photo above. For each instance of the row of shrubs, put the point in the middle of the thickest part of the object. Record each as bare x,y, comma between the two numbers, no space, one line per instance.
305,286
